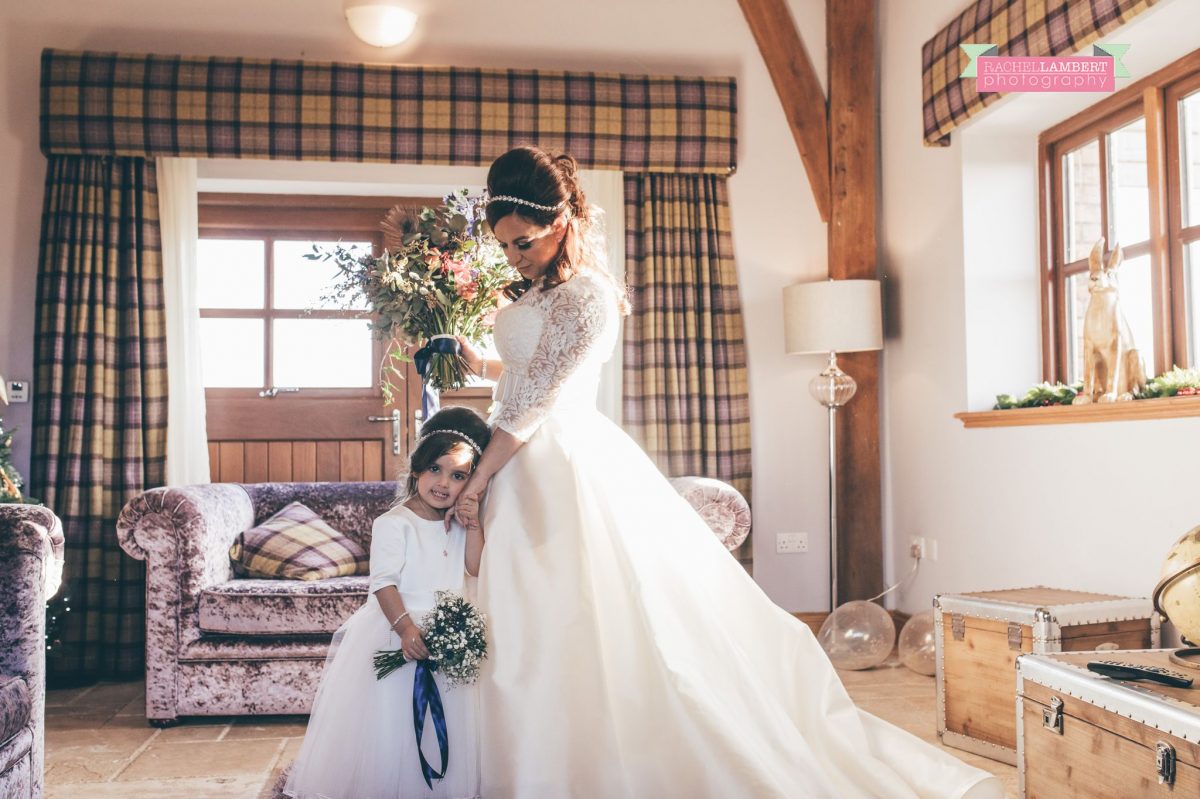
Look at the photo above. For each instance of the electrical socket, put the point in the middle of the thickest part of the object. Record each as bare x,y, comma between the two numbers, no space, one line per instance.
790,543
923,548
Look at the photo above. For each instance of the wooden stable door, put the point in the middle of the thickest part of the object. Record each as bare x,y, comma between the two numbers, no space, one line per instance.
293,439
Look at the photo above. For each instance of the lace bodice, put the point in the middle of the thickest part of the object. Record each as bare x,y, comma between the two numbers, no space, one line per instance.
553,344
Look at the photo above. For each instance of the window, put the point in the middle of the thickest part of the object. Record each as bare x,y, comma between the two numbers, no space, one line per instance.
264,320
1128,170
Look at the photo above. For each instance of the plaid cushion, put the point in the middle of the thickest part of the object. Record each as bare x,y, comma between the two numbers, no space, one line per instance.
296,544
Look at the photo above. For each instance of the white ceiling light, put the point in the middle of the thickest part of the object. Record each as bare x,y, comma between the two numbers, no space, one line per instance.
382,23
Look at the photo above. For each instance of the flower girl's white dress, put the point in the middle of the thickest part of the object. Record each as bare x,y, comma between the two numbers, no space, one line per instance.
360,742
630,654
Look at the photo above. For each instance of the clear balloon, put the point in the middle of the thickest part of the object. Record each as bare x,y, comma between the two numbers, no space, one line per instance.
917,643
858,635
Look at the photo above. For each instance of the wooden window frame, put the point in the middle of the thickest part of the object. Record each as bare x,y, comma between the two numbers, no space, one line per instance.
272,217
1156,97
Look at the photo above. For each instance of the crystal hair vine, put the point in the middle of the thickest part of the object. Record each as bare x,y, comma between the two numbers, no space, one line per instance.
507,198
470,441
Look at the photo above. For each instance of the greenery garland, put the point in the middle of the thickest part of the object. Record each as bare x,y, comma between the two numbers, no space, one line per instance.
1175,383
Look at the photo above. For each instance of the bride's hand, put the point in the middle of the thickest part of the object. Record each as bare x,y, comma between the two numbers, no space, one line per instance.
470,354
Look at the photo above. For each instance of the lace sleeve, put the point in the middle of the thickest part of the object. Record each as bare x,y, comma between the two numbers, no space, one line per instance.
579,314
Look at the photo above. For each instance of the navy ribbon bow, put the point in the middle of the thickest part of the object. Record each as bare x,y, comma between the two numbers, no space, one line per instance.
441,344
427,698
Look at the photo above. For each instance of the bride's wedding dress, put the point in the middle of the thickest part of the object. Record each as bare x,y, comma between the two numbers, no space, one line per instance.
631,656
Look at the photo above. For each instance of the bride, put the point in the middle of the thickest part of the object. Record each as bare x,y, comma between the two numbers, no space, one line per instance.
631,656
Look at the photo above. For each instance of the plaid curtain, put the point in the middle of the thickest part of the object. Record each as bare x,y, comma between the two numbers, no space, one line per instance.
100,389
1018,28
153,105
686,392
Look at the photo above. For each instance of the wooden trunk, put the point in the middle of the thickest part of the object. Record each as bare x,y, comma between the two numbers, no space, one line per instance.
979,637
1086,736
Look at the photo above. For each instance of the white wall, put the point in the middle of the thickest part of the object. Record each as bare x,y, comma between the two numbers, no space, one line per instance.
778,236
1091,507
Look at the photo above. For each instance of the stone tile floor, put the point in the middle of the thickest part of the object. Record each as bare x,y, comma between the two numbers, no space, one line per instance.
98,744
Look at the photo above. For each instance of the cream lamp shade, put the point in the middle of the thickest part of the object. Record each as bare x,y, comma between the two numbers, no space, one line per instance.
832,316
381,23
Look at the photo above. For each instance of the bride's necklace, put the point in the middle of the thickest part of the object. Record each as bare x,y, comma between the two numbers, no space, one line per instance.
424,506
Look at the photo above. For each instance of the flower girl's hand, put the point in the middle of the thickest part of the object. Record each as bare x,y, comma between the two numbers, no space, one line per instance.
470,354
466,510
411,642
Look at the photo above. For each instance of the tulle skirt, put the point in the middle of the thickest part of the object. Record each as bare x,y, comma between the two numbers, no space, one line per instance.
360,742
632,656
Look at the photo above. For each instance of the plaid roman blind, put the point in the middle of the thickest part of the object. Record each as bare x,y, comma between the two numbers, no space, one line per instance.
153,105
1018,28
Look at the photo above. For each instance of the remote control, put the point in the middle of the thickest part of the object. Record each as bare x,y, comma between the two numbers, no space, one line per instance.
1119,669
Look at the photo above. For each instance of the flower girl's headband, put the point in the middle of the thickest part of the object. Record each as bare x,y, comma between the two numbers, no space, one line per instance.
505,198
470,441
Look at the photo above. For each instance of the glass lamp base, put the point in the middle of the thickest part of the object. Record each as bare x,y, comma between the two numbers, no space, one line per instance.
833,388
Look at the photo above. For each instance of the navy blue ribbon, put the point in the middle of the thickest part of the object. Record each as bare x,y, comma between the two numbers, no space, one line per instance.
423,361
426,697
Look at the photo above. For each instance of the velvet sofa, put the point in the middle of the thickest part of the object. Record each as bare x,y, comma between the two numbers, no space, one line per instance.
217,644
31,560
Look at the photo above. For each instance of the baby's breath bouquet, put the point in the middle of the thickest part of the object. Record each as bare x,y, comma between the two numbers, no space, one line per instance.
440,276
455,634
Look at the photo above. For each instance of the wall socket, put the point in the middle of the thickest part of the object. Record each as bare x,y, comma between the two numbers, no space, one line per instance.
924,548
790,543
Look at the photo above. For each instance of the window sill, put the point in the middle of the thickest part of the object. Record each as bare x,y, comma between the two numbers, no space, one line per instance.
1166,408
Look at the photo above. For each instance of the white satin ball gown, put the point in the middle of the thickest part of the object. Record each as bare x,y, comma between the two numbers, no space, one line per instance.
630,654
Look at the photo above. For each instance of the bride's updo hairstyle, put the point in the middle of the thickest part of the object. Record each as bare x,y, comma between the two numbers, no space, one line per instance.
549,186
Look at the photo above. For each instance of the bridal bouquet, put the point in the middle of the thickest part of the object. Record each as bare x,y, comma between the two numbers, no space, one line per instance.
440,276
455,634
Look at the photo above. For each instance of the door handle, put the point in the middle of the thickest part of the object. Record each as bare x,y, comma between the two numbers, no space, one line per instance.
273,391
394,418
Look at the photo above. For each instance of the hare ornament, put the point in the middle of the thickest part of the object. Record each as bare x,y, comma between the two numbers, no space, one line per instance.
1112,367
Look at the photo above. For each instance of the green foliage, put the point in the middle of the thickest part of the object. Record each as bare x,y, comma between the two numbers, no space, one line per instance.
1040,395
10,479
1175,383
443,274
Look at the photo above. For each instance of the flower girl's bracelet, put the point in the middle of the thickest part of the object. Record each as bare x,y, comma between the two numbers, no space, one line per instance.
399,619
483,369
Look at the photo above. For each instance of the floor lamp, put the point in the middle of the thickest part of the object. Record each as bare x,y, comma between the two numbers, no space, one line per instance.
832,316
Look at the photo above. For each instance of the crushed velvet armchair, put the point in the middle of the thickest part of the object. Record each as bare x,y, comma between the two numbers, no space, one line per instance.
217,644
31,561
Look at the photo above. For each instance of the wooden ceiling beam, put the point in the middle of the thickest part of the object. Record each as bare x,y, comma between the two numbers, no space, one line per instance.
799,90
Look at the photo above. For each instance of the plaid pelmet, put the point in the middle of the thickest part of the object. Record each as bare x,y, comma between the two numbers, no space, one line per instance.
686,396
151,105
100,411
297,544
1018,28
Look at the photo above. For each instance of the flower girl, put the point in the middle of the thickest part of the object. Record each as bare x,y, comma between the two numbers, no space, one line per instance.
361,742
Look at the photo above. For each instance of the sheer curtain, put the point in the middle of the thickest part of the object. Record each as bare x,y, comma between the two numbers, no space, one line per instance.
187,436
606,190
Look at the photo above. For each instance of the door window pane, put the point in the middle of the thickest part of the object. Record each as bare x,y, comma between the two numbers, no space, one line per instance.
229,273
323,353
1189,157
301,283
1128,192
1081,199
231,353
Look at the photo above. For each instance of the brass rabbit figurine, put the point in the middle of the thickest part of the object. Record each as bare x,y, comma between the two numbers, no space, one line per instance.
1112,367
